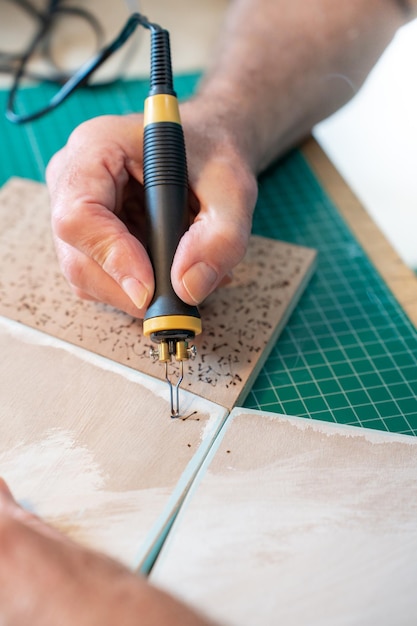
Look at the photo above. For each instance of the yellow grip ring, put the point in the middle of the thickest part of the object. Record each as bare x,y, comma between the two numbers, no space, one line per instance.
172,322
161,108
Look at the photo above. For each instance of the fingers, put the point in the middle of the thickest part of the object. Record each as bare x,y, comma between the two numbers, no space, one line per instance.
91,281
88,182
95,180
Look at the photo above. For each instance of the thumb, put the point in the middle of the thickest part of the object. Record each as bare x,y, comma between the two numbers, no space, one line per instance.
216,241
206,254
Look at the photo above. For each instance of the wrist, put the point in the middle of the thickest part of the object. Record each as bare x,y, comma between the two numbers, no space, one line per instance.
217,154
219,124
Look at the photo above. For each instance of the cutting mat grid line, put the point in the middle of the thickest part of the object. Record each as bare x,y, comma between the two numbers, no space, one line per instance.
348,353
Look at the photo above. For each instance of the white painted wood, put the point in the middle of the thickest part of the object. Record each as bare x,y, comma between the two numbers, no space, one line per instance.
299,522
89,444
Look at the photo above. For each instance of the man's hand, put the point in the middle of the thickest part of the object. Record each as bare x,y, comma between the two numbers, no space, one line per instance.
98,224
46,579
278,69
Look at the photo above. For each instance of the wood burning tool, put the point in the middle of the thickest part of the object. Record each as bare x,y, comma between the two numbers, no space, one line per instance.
169,322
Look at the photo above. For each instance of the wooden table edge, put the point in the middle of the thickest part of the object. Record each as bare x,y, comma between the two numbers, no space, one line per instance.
401,280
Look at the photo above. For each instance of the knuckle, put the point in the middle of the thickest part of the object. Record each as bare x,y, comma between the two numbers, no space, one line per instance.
67,219
53,166
62,224
73,270
105,252
91,128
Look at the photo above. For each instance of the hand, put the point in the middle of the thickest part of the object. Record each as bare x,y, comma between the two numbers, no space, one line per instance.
96,192
47,579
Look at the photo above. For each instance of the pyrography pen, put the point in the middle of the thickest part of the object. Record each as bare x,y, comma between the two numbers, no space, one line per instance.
169,322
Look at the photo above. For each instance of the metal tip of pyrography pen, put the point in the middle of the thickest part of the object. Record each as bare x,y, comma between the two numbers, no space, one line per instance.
174,390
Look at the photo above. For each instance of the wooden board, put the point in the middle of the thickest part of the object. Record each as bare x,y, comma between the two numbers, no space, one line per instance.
299,522
90,446
241,322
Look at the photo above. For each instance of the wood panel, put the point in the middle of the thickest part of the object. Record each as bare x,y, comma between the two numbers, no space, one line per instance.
297,521
241,322
90,446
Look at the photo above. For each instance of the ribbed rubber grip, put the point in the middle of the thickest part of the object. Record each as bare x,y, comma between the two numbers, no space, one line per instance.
164,155
166,203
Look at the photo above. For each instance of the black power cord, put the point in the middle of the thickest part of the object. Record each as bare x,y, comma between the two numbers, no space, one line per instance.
81,76
17,63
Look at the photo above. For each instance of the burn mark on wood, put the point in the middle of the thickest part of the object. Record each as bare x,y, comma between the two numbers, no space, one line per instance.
239,319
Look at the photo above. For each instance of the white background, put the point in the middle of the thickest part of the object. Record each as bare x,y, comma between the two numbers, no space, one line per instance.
373,143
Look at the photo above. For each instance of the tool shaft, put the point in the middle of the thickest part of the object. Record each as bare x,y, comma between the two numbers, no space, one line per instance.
169,321
166,201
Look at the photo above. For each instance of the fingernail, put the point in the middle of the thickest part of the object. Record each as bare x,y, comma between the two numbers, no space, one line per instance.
199,280
136,291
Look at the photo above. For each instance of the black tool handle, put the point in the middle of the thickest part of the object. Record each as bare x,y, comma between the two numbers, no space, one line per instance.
166,201
166,197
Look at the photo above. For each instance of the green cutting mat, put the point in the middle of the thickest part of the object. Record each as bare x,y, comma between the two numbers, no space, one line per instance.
348,353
